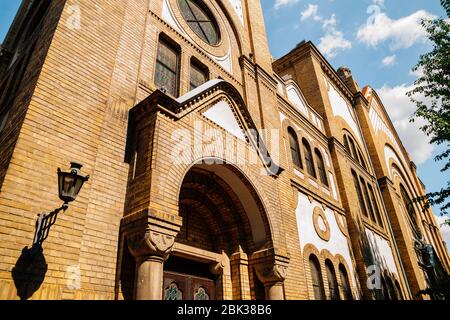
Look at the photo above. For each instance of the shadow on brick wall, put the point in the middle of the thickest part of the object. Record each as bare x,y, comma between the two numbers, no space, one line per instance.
29,272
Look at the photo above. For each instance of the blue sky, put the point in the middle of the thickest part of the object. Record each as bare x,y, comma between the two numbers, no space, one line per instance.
379,40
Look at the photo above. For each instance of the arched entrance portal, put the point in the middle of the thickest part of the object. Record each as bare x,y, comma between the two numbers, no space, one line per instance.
224,224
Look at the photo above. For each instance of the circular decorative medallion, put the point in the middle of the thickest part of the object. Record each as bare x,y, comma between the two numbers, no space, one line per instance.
321,224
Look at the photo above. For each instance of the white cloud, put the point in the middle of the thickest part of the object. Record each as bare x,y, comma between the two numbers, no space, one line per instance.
389,60
328,23
332,42
400,109
418,73
310,12
284,3
401,33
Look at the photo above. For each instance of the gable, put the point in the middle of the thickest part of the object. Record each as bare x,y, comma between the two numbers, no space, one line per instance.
222,114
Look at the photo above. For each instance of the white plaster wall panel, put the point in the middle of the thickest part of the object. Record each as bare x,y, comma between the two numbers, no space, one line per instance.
333,186
382,251
294,97
222,114
390,154
341,108
169,17
379,125
237,6
225,62
338,243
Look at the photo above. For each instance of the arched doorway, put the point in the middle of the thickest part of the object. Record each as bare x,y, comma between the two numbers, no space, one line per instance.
224,223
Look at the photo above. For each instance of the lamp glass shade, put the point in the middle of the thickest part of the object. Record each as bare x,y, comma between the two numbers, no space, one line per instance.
70,184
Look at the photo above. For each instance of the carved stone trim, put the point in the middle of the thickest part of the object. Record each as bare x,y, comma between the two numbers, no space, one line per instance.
150,234
150,244
318,215
270,266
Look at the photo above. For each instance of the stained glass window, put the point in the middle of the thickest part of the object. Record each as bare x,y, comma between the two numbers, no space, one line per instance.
295,149
167,68
173,293
321,167
309,159
199,75
200,20
201,294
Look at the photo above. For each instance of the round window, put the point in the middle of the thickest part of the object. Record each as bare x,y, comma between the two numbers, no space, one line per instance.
200,20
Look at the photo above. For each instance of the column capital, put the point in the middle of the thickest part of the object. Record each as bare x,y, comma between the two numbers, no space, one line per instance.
270,266
151,235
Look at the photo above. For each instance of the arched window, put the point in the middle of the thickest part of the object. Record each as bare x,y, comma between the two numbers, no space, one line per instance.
368,202
200,20
309,159
375,205
316,275
384,290
321,167
346,144
410,210
167,67
391,289
345,283
361,160
353,148
332,281
295,149
362,204
399,290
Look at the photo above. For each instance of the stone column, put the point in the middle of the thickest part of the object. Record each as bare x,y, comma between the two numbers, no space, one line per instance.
271,269
239,275
150,240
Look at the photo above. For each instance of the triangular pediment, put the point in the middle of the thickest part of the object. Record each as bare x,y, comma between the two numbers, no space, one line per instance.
221,113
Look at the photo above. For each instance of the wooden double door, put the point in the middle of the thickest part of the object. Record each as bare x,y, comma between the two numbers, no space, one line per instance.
178,286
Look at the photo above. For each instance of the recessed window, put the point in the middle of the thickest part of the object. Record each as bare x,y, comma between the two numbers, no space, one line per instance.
332,281
200,20
295,149
199,74
167,66
368,202
321,167
362,205
375,205
345,283
409,206
316,275
309,159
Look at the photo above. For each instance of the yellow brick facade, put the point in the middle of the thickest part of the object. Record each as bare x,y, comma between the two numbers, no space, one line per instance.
82,78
